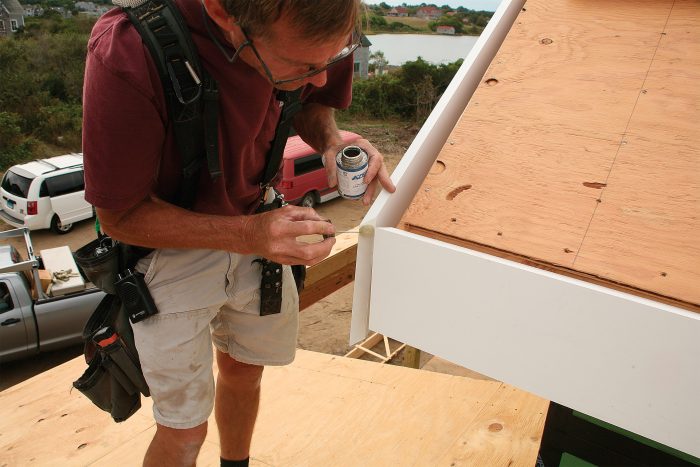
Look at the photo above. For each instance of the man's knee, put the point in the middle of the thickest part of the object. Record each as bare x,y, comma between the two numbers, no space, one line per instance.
181,444
238,374
187,436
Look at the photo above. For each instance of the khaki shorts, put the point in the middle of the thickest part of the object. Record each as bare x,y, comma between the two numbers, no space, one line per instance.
206,296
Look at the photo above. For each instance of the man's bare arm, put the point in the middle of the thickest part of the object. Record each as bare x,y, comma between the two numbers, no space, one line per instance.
155,223
316,125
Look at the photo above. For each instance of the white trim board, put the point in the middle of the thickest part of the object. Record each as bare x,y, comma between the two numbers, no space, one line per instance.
623,359
387,209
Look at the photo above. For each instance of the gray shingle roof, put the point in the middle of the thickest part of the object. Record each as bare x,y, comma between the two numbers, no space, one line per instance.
13,6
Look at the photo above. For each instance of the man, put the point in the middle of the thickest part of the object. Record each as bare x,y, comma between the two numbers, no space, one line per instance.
202,274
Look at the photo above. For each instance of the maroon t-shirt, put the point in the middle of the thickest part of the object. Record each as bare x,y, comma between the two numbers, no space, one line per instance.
128,144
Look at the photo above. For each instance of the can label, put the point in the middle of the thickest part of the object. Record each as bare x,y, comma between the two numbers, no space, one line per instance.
351,163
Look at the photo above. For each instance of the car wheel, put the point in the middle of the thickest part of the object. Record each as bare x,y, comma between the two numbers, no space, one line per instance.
58,227
308,201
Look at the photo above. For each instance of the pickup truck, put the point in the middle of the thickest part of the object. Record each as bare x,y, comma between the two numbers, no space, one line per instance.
32,320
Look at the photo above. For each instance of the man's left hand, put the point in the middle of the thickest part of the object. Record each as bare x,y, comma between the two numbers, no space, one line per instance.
376,170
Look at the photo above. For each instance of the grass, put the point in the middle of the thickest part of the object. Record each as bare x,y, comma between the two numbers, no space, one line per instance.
419,23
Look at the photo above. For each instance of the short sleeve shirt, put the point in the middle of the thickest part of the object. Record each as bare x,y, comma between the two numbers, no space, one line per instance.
128,144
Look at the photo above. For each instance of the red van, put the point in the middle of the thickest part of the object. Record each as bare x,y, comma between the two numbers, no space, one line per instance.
304,180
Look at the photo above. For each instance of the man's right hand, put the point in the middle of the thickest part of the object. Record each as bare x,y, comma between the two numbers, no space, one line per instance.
273,235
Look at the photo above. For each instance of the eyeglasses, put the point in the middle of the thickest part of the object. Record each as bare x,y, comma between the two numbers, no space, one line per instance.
347,51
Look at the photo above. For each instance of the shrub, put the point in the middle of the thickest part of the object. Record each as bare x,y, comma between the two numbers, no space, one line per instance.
41,81
60,124
14,146
409,93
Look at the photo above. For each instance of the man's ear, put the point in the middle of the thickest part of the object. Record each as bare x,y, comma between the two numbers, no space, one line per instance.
219,15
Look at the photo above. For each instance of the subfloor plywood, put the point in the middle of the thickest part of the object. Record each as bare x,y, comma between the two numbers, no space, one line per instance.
322,410
580,151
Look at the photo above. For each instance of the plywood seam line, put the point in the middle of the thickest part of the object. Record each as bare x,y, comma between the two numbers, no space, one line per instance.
624,133
360,379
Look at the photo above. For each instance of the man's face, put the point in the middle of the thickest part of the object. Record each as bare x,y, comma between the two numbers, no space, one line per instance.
287,54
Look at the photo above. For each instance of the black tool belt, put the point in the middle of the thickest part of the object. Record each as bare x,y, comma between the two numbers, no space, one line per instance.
271,279
113,380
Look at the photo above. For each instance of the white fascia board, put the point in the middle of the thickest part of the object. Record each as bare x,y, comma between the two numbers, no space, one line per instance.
387,209
624,359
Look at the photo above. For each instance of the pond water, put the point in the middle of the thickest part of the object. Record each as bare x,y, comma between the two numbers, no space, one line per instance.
400,48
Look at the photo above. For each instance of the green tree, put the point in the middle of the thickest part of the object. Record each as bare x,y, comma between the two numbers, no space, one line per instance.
378,62
377,22
41,91
426,97
409,93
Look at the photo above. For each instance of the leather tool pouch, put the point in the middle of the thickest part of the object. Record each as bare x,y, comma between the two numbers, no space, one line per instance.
113,380
102,260
99,261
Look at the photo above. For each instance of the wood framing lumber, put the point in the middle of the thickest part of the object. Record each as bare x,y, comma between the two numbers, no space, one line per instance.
374,339
411,357
332,273
365,347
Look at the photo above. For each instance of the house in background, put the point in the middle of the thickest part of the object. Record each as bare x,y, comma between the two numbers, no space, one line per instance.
11,17
63,12
91,9
398,11
361,57
429,12
33,10
449,30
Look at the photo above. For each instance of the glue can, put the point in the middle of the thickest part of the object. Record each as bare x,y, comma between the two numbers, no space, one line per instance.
351,163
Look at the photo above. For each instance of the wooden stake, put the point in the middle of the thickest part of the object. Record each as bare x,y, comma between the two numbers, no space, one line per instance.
411,357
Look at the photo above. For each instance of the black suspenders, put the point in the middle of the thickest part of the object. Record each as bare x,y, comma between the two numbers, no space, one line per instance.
192,97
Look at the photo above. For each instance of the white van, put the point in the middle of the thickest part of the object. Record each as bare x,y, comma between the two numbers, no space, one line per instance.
46,193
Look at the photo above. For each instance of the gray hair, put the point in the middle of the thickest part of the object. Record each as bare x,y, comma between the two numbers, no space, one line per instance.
318,19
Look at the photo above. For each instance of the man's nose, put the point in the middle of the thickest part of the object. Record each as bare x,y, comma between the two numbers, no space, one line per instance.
320,79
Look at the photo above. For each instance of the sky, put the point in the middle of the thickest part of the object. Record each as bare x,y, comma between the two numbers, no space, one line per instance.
487,5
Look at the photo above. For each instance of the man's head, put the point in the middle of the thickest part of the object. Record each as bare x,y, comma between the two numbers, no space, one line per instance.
318,19
291,41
